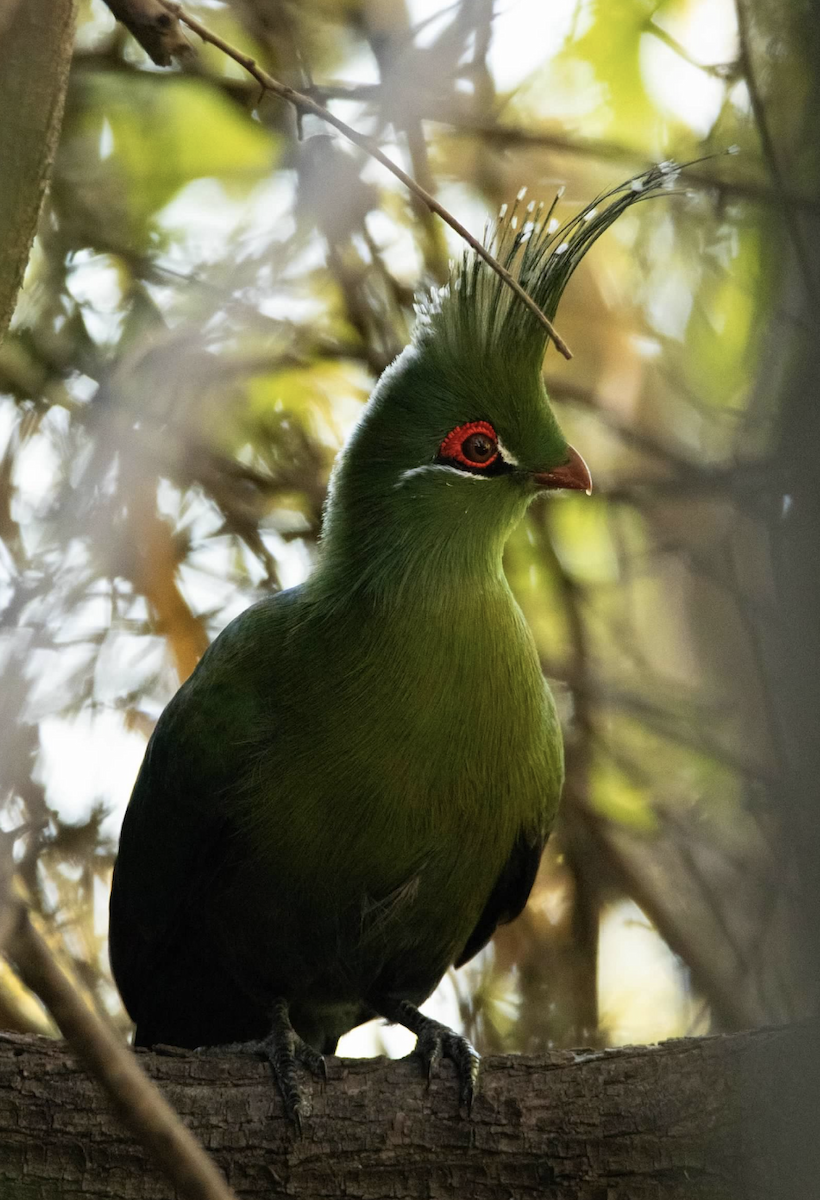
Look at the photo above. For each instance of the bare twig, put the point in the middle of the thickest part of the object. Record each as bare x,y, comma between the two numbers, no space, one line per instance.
305,104
138,1102
722,71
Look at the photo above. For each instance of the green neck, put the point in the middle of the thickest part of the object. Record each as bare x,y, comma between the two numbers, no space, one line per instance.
393,544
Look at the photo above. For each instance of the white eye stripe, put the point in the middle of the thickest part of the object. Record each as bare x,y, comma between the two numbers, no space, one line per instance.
430,467
412,472
506,454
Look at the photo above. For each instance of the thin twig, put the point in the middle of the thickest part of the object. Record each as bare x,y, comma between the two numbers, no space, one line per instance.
305,104
137,1101
722,71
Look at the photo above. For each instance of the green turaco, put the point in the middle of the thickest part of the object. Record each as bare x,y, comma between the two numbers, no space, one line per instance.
354,787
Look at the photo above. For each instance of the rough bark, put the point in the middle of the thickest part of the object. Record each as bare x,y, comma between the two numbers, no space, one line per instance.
697,1118
35,52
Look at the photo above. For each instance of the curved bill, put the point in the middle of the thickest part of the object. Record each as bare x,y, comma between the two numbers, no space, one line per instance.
574,473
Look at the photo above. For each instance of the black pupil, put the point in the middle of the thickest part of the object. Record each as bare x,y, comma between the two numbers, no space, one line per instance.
478,447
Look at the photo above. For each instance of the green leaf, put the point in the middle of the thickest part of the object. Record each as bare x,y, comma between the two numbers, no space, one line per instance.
162,135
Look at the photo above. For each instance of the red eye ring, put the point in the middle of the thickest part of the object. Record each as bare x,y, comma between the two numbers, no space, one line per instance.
453,445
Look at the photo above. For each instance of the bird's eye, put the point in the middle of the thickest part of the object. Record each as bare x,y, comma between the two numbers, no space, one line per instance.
478,448
472,445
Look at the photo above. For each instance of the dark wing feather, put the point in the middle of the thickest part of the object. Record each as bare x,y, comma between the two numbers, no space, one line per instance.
509,895
180,855
174,862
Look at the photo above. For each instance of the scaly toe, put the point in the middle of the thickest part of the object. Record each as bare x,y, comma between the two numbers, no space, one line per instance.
310,1058
466,1059
429,1049
436,1042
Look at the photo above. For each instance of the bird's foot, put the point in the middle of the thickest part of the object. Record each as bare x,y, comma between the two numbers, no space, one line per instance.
282,1049
436,1041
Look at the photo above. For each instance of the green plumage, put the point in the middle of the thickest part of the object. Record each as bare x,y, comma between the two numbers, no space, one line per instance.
354,786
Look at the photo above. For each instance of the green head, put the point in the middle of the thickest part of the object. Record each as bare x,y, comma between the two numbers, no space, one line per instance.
459,436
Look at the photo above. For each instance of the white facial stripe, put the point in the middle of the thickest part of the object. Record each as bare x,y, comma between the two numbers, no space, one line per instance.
507,455
430,467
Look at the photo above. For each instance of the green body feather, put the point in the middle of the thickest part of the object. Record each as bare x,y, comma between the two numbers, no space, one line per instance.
329,808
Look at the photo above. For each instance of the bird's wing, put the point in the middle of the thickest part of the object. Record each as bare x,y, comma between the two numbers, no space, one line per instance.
176,855
159,882
509,895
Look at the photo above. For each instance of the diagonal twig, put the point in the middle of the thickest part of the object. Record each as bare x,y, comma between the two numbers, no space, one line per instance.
305,104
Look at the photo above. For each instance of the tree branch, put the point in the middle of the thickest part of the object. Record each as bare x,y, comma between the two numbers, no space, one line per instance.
720,1118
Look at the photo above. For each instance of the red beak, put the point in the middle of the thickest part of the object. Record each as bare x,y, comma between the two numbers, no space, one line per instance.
574,473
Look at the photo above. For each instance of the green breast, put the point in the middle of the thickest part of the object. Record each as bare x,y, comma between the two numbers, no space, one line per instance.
433,742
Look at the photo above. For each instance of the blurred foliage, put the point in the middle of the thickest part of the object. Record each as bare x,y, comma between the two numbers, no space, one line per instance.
215,287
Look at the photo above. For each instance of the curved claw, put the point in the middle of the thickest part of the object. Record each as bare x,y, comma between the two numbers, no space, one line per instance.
468,1072
310,1058
460,1051
429,1050
435,1041
282,1049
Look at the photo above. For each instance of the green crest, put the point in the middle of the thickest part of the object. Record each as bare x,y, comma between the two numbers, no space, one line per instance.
476,316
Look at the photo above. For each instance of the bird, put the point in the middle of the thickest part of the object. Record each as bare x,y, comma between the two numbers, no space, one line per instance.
353,788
